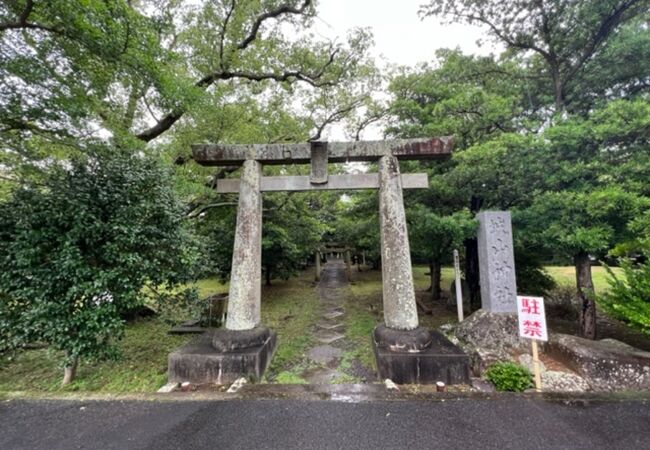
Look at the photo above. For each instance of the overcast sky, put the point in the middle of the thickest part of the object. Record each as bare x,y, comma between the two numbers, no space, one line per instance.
400,35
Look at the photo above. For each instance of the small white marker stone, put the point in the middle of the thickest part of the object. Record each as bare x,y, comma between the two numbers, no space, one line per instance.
169,387
390,385
237,385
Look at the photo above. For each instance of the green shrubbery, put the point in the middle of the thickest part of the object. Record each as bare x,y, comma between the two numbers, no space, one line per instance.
628,298
77,249
507,376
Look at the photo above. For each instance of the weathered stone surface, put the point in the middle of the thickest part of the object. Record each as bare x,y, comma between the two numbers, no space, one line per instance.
244,306
488,338
481,359
324,354
327,337
441,361
226,341
400,310
606,365
490,330
298,183
229,155
408,341
329,326
563,382
496,262
199,362
318,163
321,375
482,385
526,360
333,314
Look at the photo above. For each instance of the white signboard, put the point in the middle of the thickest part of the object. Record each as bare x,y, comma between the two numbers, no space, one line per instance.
532,318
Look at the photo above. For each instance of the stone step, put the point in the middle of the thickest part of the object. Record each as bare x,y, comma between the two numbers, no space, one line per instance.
329,326
329,337
333,314
325,354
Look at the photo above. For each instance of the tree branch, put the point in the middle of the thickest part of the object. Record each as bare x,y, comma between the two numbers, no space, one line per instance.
167,121
605,29
335,116
197,212
22,22
367,121
223,32
171,118
508,40
280,10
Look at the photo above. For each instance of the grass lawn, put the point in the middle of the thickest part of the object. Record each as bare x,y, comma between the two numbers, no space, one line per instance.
143,367
368,286
566,276
288,307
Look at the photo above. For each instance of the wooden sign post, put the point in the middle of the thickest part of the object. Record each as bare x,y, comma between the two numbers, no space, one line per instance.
459,293
532,325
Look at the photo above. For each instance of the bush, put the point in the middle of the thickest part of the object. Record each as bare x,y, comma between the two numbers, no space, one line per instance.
507,376
563,301
628,298
77,249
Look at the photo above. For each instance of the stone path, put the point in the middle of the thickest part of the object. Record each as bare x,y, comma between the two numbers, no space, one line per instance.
329,326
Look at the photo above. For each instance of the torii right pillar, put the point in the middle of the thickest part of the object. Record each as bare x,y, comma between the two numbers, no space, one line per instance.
406,353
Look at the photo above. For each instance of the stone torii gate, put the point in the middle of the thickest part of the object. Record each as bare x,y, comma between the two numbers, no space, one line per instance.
245,346
336,249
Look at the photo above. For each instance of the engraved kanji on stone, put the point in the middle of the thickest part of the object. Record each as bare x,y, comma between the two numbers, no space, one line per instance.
496,262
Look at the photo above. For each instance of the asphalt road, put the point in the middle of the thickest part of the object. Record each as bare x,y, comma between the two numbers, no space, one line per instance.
503,423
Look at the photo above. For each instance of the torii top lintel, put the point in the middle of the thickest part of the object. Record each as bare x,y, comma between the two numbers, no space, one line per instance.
337,152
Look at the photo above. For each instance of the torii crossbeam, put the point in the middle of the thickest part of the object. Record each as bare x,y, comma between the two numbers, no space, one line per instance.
337,152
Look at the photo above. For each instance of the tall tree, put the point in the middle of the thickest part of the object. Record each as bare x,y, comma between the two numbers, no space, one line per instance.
132,70
566,34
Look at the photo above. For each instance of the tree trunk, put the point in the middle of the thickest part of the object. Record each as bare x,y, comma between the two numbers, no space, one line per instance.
471,261
586,294
267,273
435,270
70,371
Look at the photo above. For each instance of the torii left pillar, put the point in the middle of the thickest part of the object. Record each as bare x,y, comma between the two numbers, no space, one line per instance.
244,348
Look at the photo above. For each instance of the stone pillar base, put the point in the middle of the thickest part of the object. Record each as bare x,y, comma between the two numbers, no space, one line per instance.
222,356
418,357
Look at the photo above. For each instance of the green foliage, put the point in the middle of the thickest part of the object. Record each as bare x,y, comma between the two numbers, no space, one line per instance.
508,376
289,378
628,297
433,237
590,222
531,276
77,251
290,235
554,32
467,97
175,307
